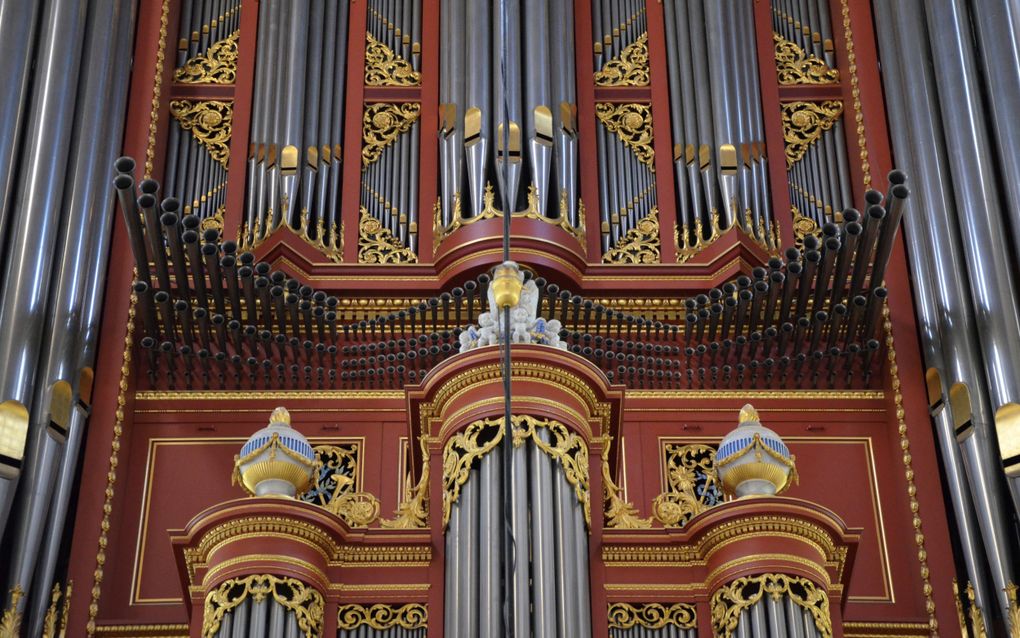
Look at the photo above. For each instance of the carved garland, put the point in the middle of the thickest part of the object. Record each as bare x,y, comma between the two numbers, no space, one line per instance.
804,123
795,66
383,67
632,123
629,69
652,616
377,245
210,121
382,617
743,593
218,65
306,603
692,484
381,124
640,245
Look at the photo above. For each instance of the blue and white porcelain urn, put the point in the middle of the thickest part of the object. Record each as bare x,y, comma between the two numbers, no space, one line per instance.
753,461
275,461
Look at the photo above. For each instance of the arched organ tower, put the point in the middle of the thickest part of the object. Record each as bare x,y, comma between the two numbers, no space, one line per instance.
253,380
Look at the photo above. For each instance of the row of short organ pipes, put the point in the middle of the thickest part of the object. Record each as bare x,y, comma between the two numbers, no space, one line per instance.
214,317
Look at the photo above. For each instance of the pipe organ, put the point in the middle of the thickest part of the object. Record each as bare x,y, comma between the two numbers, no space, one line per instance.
571,318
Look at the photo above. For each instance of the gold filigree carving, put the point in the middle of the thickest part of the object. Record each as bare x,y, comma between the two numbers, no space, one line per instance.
1013,612
382,617
743,593
383,67
630,68
210,121
959,609
803,226
10,622
620,514
50,620
686,248
359,509
328,242
335,486
652,616
306,603
796,66
377,245
218,65
381,124
632,123
66,609
640,245
692,485
480,437
413,512
804,123
977,622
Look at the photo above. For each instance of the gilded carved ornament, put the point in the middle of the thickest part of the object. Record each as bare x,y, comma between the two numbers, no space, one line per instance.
652,616
620,514
632,123
692,485
218,65
413,512
804,123
10,622
383,617
382,124
743,593
377,245
209,121
640,245
328,241
383,67
795,66
335,485
306,603
630,68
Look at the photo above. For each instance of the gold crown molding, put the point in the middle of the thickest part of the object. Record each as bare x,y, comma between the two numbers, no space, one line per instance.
640,245
630,68
804,123
210,121
383,67
132,631
382,124
807,395
377,245
271,395
681,502
377,555
743,593
383,617
652,616
306,603
632,123
218,65
796,66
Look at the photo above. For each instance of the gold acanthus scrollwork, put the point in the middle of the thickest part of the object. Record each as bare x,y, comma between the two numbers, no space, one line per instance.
977,622
210,121
688,467
328,242
743,593
50,620
383,67
630,68
652,616
804,123
218,65
640,245
413,512
480,437
306,603
377,245
620,514
383,617
335,487
795,66
10,622
632,123
382,124
1013,612
803,226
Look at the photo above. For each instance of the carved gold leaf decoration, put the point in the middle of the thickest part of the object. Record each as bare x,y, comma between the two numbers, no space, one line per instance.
629,69
382,124
803,226
619,513
218,65
383,67
692,485
10,622
632,123
1014,609
413,512
383,617
306,603
804,123
640,245
743,593
977,621
652,616
50,620
796,66
210,121
377,245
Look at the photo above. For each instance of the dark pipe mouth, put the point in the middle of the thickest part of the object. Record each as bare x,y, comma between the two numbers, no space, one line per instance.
832,243
810,243
876,212
792,254
124,164
140,286
211,235
146,201
881,293
853,228
180,305
860,300
168,219
794,268
148,342
208,249
900,191
123,182
897,176
839,309
873,197
777,277
150,186
190,237
851,215
162,296
191,222
813,255
830,229
171,205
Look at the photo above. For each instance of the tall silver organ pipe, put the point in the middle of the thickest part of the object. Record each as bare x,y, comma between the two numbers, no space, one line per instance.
717,126
297,121
540,104
960,241
37,215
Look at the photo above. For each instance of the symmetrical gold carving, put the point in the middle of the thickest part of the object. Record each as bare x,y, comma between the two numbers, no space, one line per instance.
803,124
796,66
377,245
692,485
382,617
10,622
210,121
629,69
328,242
686,248
218,65
619,513
632,123
640,245
383,67
413,512
306,603
480,437
652,616
743,593
382,124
